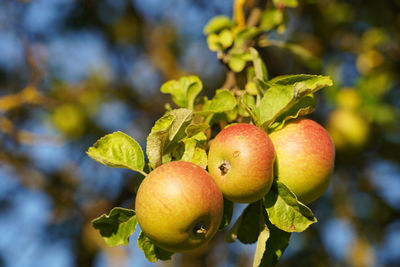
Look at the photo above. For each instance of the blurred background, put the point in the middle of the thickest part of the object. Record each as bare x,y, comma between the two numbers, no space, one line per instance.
72,71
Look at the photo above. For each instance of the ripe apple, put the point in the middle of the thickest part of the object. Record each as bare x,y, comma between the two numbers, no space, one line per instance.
349,130
179,206
241,159
305,158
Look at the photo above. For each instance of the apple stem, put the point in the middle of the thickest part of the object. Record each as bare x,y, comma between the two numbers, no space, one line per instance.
224,167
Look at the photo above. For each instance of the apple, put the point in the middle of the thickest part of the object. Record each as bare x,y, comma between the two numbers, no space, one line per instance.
348,98
70,120
349,130
179,206
305,158
241,160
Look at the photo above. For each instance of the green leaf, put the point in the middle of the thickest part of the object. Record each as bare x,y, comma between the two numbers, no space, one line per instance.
285,211
271,244
303,54
213,42
117,227
224,100
226,38
183,117
271,18
216,118
304,81
151,251
217,24
248,102
247,226
297,50
218,42
183,91
286,3
200,137
227,216
245,35
261,245
250,88
157,138
259,66
195,129
231,115
242,109
283,93
200,157
261,87
166,133
236,63
302,107
118,150
194,135
190,146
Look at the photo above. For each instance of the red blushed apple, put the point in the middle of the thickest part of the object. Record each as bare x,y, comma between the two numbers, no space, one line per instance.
241,159
179,206
305,158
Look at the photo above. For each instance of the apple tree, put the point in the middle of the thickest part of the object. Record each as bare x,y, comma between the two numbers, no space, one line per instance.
190,128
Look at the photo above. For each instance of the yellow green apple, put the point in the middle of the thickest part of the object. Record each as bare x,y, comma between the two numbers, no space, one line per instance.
349,130
305,158
348,98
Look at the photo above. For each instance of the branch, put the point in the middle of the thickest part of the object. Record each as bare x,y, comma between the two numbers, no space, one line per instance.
238,13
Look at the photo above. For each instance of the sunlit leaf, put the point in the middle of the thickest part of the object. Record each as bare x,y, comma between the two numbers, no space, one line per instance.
200,157
213,42
195,129
302,107
193,153
249,104
118,150
285,211
156,139
190,146
183,91
271,18
259,66
183,118
245,35
236,63
224,100
226,38
218,23
166,133
283,93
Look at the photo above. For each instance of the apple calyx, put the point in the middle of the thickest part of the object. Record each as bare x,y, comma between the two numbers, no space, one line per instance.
224,167
199,229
